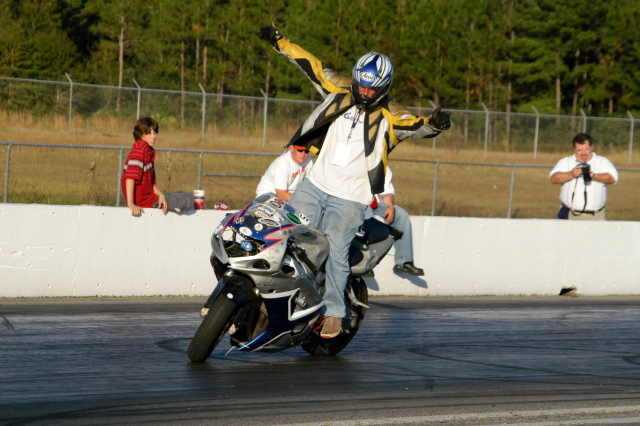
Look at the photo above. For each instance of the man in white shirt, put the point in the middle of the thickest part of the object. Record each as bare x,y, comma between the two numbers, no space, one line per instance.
584,177
352,131
286,172
384,206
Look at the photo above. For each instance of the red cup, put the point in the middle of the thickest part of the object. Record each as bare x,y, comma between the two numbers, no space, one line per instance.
198,196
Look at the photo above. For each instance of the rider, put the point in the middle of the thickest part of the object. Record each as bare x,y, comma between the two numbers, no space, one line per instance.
353,131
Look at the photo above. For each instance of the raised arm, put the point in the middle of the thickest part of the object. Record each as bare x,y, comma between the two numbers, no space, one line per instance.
325,80
405,125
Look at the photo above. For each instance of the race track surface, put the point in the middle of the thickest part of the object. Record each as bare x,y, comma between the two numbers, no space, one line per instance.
481,361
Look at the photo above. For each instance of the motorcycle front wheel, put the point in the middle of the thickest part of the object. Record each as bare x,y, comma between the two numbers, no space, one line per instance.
212,329
318,346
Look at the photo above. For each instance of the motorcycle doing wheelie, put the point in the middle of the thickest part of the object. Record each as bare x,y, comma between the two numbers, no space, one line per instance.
270,266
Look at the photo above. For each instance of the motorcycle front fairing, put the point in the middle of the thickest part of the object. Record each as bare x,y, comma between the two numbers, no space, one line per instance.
258,246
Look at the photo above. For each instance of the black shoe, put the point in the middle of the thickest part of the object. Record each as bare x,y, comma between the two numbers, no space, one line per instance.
409,268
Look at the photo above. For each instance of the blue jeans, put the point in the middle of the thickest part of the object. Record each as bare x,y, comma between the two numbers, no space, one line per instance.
339,219
403,246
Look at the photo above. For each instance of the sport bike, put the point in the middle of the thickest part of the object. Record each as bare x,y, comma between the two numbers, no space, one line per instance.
270,267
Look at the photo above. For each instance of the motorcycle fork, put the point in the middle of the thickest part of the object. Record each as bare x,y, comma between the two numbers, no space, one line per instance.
249,321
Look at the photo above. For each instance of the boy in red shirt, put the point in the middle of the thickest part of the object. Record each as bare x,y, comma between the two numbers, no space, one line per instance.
139,175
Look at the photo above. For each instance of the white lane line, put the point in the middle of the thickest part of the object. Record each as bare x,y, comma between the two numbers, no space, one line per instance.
505,414
617,421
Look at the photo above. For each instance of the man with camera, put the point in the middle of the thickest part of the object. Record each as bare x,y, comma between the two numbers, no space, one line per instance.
584,177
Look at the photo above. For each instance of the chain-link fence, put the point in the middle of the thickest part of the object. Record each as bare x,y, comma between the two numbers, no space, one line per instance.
212,136
47,108
49,111
91,175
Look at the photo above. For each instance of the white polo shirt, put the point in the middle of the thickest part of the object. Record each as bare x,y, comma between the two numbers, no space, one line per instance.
573,192
283,173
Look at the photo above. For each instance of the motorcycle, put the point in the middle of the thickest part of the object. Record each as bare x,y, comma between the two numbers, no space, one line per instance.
270,267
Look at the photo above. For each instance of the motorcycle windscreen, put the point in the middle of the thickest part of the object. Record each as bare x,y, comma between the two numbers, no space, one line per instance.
217,247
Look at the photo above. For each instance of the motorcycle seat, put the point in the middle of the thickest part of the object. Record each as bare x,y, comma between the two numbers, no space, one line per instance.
374,231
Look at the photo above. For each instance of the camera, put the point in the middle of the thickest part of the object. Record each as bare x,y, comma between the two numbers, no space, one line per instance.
586,169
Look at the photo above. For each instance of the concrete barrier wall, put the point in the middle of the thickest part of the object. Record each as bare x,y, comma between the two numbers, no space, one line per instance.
77,251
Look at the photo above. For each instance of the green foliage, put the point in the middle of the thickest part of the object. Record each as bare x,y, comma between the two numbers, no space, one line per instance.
33,40
558,54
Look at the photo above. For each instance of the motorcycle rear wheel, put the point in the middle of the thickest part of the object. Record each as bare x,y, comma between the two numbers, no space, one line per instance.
212,329
318,346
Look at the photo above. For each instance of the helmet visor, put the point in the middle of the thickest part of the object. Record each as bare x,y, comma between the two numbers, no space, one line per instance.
366,90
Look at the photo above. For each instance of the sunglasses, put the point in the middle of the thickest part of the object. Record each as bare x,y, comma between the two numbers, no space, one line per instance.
306,151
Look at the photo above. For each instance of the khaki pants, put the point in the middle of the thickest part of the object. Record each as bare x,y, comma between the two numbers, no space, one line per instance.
576,215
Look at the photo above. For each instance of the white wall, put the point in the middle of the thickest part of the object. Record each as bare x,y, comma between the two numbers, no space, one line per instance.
103,251
483,256
59,251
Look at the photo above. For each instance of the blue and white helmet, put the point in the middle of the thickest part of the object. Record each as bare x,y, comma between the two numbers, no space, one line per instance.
373,71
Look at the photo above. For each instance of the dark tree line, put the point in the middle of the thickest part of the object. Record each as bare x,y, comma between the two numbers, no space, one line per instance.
511,55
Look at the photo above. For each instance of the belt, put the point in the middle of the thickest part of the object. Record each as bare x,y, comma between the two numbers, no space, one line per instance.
585,211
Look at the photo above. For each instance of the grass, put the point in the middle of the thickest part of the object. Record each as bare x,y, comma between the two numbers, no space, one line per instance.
56,175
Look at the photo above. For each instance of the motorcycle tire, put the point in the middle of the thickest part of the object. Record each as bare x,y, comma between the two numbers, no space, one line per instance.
317,346
212,329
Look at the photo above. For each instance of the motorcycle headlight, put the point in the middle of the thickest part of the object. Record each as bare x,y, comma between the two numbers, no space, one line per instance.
247,246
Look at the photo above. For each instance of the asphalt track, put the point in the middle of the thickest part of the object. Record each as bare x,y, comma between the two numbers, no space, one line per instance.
481,361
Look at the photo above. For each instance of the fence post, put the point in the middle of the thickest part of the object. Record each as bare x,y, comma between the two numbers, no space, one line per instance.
584,121
6,174
119,192
138,108
434,139
513,180
70,99
633,122
486,129
200,170
204,112
537,132
264,126
435,188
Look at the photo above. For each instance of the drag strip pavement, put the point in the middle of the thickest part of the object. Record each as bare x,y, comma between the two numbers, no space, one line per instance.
415,361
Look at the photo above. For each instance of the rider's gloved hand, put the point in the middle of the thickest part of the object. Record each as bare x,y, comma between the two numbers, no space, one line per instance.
440,120
270,34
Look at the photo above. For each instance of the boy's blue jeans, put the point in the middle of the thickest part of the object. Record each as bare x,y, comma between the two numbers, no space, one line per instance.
339,219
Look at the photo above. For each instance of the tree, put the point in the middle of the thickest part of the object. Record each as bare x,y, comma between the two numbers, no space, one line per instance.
33,47
116,26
